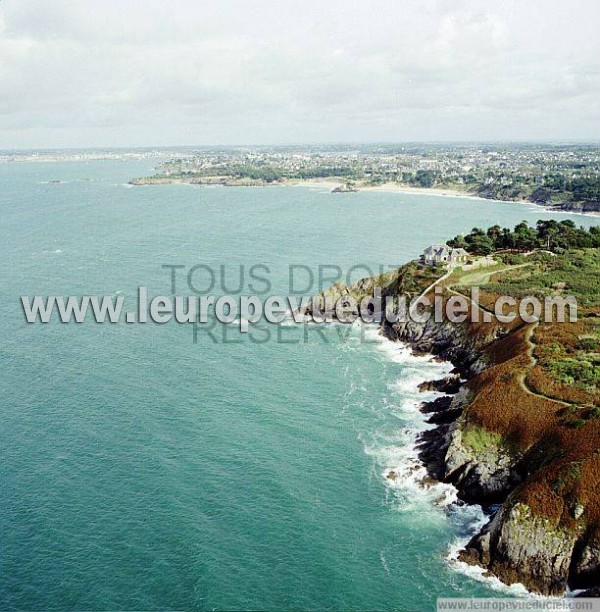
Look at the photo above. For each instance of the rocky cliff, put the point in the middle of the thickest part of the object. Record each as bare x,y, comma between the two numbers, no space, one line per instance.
542,550
531,460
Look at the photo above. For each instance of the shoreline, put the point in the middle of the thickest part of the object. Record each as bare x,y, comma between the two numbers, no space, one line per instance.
416,473
432,191
502,447
385,187
330,185
437,191
514,546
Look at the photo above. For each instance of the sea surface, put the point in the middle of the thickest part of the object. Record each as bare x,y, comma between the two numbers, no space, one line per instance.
143,467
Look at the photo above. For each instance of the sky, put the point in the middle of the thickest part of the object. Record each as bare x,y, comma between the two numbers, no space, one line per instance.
80,73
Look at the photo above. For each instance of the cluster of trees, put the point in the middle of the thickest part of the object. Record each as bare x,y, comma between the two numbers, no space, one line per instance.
326,172
270,174
585,188
556,236
581,189
264,173
423,178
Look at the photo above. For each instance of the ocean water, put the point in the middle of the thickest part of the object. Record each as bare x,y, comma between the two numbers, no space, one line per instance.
141,470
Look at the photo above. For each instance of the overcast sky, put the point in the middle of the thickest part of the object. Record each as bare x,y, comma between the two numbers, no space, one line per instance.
124,73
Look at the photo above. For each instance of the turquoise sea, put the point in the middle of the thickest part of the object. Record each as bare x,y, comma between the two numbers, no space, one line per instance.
140,470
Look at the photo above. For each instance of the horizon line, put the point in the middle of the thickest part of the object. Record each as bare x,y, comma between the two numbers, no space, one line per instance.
573,141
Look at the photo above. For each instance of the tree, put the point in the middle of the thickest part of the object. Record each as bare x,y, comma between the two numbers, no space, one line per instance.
547,230
458,242
494,233
507,240
525,236
481,245
424,178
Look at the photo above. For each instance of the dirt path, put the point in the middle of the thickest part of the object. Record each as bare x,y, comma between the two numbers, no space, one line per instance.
482,277
523,378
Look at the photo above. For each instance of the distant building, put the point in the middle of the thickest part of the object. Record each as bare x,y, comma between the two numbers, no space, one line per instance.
443,254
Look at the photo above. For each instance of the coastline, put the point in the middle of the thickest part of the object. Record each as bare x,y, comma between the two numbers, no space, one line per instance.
411,472
429,450
434,191
331,185
457,193
386,187
438,191
517,544
499,445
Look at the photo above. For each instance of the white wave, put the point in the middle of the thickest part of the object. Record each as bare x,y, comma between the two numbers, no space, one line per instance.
478,573
290,323
401,353
542,210
55,252
411,490
384,562
404,475
290,319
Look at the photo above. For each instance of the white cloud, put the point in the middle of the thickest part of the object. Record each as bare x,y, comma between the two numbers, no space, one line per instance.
77,73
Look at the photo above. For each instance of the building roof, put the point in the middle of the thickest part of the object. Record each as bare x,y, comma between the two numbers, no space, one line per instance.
443,250
434,248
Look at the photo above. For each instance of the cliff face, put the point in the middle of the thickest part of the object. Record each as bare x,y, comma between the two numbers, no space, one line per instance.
542,198
542,550
518,546
583,206
531,458
484,474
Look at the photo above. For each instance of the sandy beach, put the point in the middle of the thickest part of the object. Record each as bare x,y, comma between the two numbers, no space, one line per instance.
397,188
387,187
324,183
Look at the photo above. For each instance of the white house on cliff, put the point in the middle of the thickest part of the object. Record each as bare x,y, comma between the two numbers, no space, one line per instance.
443,254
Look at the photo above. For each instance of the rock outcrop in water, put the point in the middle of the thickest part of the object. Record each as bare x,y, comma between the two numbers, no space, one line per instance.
345,188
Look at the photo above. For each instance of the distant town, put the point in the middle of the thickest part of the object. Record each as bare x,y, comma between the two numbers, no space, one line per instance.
562,175
565,176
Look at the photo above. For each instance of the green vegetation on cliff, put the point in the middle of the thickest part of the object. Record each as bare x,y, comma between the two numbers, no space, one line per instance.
524,431
557,236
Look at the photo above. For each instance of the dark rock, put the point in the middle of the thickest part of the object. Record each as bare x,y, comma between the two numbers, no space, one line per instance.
593,592
519,546
445,417
585,566
439,404
346,188
432,450
450,384
483,476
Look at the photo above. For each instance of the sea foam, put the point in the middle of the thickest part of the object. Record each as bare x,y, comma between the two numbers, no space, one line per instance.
404,475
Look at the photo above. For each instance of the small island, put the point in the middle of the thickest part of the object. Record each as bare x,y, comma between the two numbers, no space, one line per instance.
345,188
